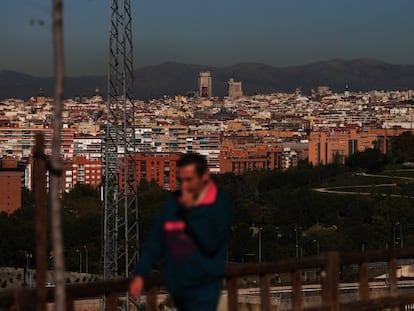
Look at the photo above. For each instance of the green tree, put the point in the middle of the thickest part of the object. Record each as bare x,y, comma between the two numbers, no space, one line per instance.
241,243
372,160
402,147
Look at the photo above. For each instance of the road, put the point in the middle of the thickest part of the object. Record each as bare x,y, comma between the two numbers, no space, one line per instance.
337,190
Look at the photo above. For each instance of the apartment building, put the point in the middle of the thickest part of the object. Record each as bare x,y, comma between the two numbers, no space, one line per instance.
237,159
325,145
10,184
84,171
160,167
207,144
18,142
87,146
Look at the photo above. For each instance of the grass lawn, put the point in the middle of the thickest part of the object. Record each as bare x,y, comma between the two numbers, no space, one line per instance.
400,173
355,180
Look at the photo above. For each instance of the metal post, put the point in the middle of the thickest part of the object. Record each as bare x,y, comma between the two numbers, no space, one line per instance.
86,258
297,243
330,281
260,244
394,239
39,183
80,259
55,160
317,247
401,246
232,294
28,257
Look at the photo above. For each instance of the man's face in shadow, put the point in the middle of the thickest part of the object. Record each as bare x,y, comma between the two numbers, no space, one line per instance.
191,181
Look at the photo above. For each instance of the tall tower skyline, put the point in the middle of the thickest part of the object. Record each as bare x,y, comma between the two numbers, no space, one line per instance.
205,87
235,89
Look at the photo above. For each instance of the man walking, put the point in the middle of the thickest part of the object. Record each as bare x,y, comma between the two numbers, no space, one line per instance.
190,237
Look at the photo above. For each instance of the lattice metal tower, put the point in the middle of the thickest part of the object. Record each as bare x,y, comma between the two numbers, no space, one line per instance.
120,203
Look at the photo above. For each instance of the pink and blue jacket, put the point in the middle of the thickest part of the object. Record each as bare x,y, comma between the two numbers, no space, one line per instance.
191,243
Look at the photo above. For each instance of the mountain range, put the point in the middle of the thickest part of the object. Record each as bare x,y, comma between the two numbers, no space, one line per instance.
172,78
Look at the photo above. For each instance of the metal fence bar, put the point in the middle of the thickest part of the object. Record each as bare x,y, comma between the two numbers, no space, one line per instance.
330,280
392,276
70,305
363,281
152,299
232,294
296,277
265,291
23,300
111,301
39,184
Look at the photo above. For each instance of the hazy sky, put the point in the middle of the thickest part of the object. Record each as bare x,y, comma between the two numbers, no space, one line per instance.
212,32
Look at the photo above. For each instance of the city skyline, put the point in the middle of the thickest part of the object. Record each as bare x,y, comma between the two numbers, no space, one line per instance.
170,79
217,34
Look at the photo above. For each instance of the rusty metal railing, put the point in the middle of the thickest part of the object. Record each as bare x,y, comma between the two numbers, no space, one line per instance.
113,290
327,263
394,297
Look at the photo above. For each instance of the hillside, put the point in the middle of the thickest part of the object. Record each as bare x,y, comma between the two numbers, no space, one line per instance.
174,78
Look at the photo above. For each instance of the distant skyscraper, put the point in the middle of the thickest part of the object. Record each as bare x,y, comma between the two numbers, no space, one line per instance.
205,84
40,97
347,91
235,89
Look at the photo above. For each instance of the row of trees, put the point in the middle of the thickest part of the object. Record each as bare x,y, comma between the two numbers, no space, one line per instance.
278,202
401,149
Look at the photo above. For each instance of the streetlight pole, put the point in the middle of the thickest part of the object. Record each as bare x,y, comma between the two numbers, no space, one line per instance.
394,238
80,260
28,257
297,242
260,244
86,259
317,247
253,227
401,244
401,234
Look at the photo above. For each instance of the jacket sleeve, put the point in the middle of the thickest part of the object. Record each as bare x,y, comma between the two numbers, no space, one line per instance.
210,226
153,249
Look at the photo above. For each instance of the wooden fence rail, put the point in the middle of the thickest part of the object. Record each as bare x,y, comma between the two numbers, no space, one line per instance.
328,264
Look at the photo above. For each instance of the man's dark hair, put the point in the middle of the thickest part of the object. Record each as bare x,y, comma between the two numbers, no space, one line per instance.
197,159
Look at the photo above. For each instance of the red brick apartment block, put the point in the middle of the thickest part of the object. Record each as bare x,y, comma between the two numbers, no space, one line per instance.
10,185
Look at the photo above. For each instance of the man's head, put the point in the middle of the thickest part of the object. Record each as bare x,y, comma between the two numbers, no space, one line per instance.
193,173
